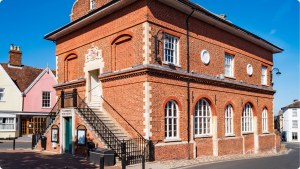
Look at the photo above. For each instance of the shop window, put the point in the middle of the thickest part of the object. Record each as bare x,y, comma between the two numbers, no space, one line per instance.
7,124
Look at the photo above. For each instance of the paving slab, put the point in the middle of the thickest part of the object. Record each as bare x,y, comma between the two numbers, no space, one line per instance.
16,159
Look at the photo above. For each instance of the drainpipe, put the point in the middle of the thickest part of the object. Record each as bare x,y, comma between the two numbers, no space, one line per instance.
188,80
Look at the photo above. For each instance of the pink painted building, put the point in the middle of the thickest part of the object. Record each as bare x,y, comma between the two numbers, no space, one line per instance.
40,96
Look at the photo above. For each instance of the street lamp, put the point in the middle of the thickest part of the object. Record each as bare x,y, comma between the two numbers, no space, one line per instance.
164,38
277,74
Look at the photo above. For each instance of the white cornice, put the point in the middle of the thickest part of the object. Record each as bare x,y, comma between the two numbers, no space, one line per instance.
10,80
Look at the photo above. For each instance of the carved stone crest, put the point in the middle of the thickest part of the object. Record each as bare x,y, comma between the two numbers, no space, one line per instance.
93,54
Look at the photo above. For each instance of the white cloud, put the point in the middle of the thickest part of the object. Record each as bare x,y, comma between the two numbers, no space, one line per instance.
273,31
0,2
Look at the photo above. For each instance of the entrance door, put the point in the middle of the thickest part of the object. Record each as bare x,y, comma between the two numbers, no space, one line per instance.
68,135
94,86
24,126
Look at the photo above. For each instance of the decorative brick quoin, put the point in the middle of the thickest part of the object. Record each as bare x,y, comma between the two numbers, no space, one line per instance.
209,93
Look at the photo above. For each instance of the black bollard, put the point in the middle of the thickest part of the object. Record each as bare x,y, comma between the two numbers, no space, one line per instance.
143,162
101,162
14,144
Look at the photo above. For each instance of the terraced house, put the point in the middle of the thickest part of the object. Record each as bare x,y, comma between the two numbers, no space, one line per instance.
168,71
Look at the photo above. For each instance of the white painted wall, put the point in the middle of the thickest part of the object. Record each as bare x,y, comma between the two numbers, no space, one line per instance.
12,99
288,123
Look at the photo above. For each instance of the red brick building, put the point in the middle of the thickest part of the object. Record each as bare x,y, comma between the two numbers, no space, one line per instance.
211,96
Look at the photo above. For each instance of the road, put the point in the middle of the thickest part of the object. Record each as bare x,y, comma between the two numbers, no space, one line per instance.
289,161
19,145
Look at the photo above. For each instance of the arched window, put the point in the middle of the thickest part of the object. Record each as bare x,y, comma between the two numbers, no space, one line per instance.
171,120
265,119
228,120
71,67
202,118
247,119
92,4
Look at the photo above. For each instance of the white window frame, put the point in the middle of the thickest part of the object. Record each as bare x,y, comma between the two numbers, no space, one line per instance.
170,106
228,120
229,64
247,118
293,135
205,120
43,100
295,124
3,94
92,4
264,75
265,119
174,48
294,113
7,124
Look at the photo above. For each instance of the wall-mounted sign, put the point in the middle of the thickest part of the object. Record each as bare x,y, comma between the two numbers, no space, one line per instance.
54,133
68,95
66,112
93,54
81,135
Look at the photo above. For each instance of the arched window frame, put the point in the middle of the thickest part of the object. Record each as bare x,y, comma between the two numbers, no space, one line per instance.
247,118
170,117
229,120
265,119
200,118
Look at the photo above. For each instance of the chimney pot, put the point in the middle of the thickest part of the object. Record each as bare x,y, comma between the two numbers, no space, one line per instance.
12,47
18,48
223,16
15,48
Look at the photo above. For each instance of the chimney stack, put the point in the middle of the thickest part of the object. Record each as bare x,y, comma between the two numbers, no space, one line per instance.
295,100
15,56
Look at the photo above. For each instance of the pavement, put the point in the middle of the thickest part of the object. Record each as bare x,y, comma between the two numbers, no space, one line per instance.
19,145
16,159
290,160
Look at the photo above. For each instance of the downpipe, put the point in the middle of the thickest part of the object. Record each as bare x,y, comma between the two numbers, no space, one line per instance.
188,81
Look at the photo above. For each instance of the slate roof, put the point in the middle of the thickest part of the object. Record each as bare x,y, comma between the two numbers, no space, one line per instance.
293,105
23,77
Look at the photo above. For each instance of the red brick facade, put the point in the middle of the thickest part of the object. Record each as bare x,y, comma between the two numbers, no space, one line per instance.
122,37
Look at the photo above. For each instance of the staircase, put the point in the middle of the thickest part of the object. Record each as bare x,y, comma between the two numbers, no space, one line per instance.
95,106
110,134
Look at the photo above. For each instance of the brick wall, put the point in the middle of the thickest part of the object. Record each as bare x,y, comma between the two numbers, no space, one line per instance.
249,143
230,146
204,146
173,152
15,58
266,143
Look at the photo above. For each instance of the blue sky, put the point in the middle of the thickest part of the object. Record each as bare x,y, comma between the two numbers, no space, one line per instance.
24,24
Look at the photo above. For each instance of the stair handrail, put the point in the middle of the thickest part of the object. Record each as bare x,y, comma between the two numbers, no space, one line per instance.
102,123
124,119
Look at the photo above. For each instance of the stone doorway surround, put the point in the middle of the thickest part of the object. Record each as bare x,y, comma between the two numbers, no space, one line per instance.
66,112
93,61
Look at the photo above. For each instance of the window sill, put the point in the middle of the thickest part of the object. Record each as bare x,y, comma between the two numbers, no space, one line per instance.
46,107
229,135
171,64
203,136
2,100
266,132
172,140
230,77
248,132
265,85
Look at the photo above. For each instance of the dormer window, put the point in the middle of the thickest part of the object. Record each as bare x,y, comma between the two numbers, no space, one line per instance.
93,4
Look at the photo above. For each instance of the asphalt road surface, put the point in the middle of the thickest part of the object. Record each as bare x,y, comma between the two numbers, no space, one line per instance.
19,145
288,161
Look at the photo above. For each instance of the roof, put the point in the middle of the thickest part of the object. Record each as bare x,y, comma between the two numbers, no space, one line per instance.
181,5
24,76
293,105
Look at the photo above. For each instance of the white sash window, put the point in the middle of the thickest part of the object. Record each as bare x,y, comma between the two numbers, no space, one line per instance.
264,75
247,119
7,123
228,65
171,50
202,118
93,4
265,119
2,93
171,120
228,120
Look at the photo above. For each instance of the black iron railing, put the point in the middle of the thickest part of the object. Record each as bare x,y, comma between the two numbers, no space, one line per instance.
43,126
